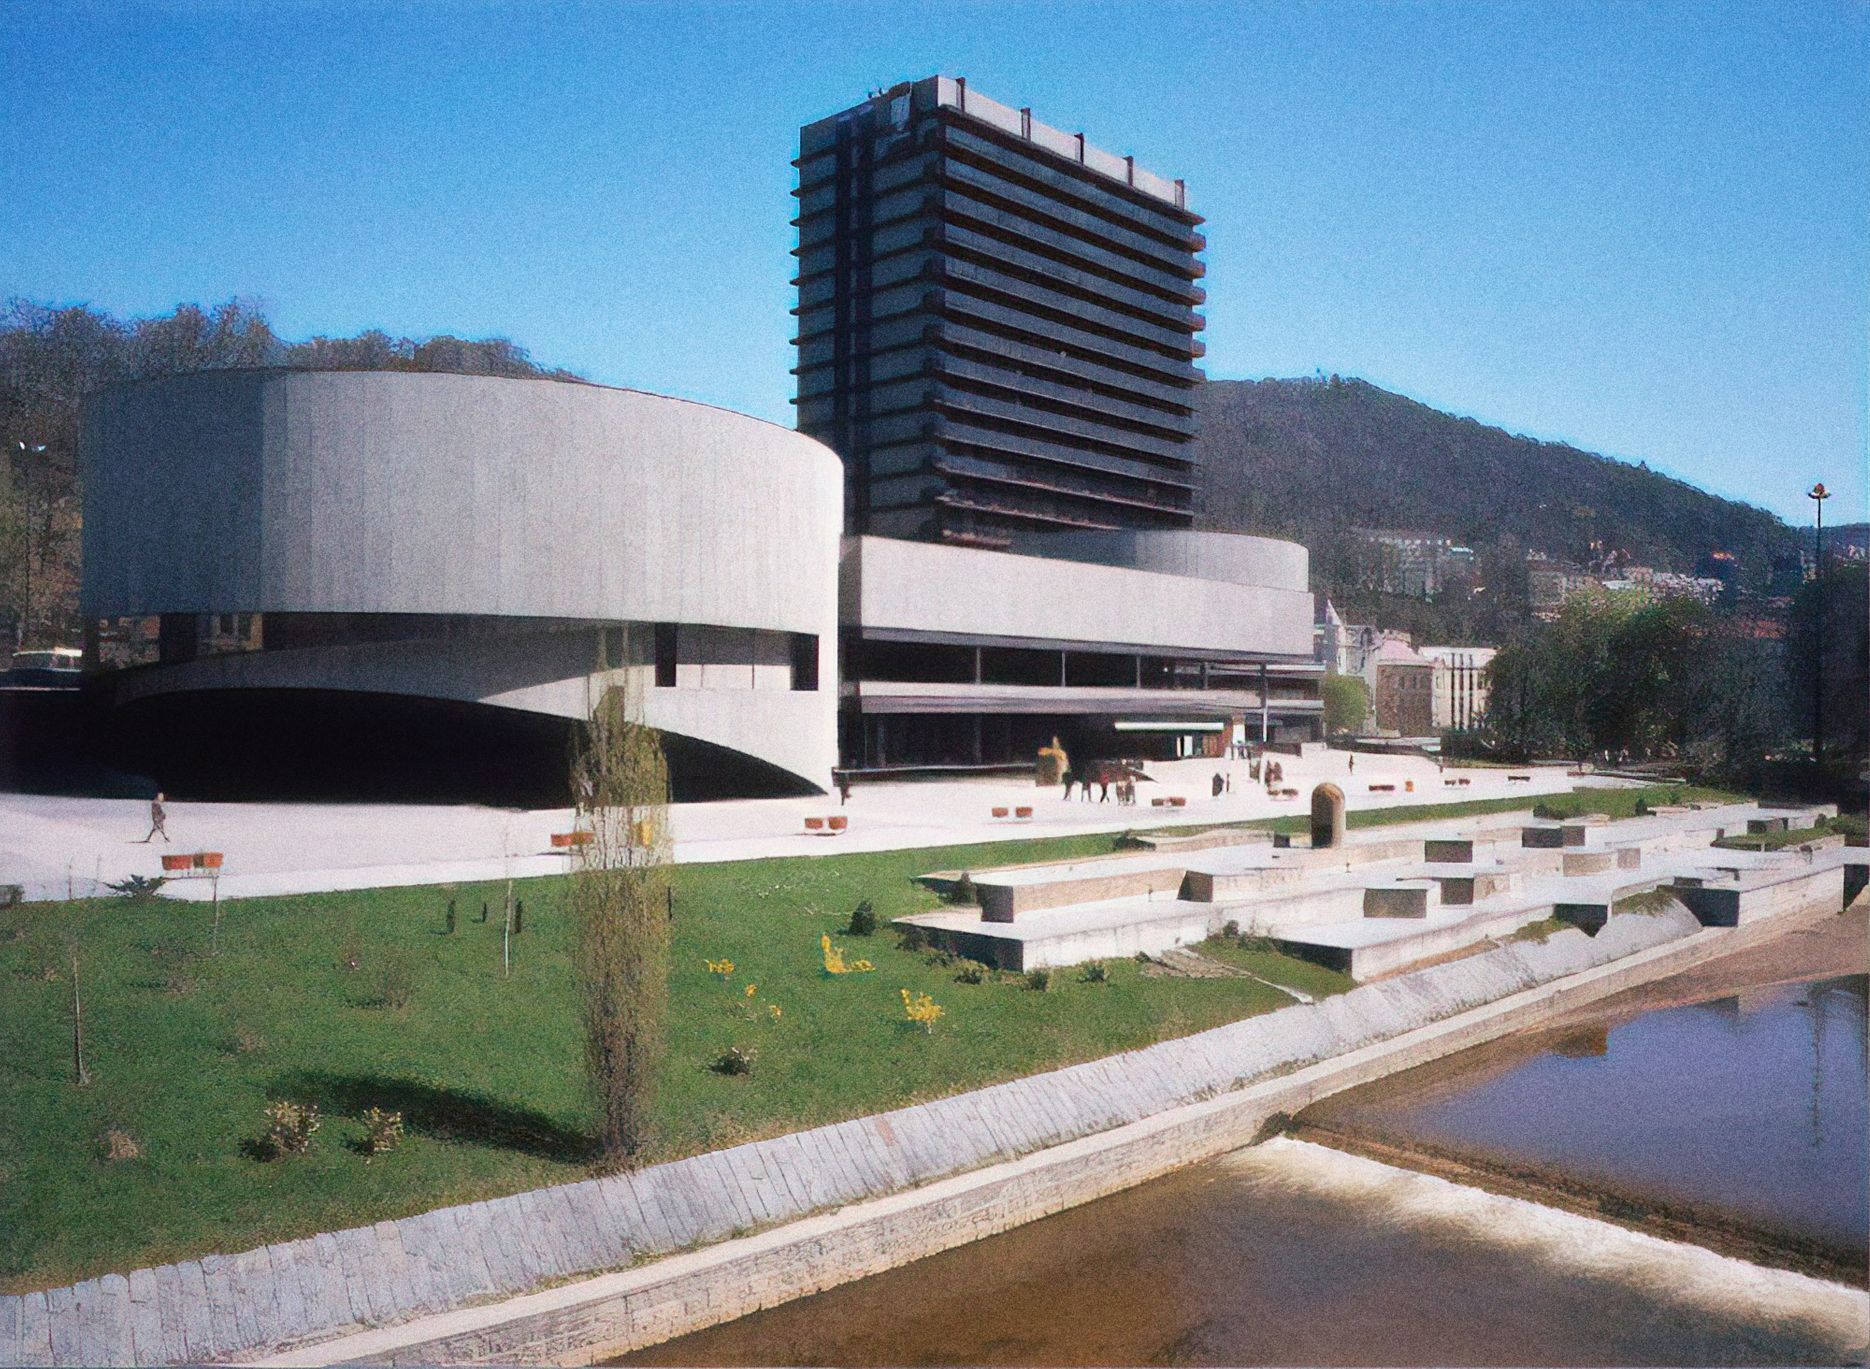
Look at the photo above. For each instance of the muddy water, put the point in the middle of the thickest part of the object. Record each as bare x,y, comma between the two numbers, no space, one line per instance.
1291,1253
1745,1109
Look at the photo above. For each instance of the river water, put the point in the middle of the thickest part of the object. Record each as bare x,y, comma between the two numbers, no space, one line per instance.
1748,1109
1295,1253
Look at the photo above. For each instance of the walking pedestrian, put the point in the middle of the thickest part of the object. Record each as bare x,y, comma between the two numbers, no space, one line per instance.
1215,787
158,817
1353,763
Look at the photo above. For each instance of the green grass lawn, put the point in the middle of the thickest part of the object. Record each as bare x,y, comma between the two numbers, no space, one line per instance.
186,1048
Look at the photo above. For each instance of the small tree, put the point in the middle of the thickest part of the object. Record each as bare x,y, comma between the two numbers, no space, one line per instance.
618,902
1347,703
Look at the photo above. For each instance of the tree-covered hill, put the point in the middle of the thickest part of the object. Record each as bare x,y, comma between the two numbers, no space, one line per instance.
1313,458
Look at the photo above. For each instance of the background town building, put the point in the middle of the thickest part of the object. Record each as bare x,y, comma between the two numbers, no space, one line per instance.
1403,689
1460,685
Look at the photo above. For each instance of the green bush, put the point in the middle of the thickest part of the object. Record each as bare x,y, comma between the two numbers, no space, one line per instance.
1039,981
735,1060
1095,972
971,972
383,1132
290,1127
863,919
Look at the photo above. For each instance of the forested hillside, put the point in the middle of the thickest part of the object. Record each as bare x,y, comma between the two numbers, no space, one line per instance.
1312,459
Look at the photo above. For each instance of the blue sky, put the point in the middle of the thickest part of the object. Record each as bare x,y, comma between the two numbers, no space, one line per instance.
1644,229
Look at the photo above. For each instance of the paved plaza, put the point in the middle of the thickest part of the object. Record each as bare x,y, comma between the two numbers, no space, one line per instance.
54,846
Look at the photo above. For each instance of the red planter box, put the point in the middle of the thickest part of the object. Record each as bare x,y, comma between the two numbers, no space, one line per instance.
1022,812
178,862
838,824
814,824
208,860
999,812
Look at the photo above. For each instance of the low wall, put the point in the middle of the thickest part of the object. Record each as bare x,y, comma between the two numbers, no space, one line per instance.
1099,1127
1736,904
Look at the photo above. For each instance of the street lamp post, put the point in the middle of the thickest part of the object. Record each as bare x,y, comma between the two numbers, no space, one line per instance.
27,450
1818,494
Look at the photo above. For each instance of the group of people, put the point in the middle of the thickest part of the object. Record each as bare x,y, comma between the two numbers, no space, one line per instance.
1105,777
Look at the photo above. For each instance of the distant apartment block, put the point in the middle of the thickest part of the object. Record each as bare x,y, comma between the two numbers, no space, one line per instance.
1414,565
996,322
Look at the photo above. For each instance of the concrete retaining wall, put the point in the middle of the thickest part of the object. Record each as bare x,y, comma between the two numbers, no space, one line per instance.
1128,1117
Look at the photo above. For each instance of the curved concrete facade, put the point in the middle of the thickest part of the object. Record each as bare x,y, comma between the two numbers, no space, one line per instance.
1211,593
1233,558
507,525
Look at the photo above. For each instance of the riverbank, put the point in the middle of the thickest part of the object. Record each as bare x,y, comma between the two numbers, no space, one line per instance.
1354,1122
1191,1100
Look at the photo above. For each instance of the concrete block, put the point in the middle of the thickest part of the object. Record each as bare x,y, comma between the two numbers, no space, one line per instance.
1588,862
35,1329
1398,900
170,1295
290,1317
1448,851
249,1276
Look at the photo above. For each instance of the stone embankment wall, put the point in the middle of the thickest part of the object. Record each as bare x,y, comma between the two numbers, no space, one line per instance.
444,1284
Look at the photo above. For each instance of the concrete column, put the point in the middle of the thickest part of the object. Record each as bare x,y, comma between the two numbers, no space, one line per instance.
1265,722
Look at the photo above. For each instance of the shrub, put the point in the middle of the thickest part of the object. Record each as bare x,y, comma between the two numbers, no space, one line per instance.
1096,972
1642,808
971,972
179,982
1546,812
118,1145
734,1060
138,887
383,1132
962,890
863,919
920,1009
835,963
1851,825
244,1041
910,937
395,982
1262,944
1039,981
1232,930
290,1127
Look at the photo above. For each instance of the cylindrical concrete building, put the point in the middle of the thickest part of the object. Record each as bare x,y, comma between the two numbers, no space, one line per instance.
378,555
